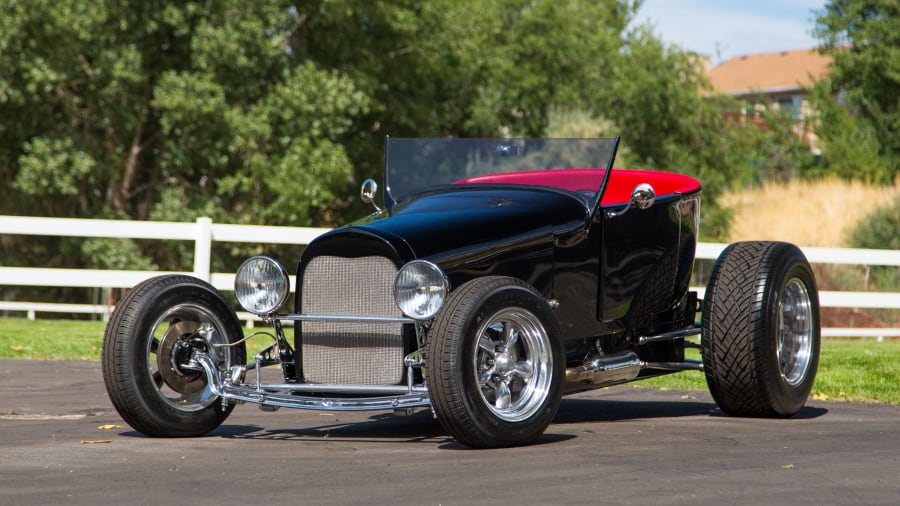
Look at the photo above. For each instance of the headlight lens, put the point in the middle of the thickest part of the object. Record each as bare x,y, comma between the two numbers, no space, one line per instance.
261,285
420,289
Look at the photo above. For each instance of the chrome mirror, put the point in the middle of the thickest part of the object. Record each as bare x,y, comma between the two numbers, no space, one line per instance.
642,197
367,193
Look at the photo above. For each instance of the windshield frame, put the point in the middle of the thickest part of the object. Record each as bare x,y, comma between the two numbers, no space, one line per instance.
397,191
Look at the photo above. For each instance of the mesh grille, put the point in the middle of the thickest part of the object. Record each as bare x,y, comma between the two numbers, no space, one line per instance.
351,353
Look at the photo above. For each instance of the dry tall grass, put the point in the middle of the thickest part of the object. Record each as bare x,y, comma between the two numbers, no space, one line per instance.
807,213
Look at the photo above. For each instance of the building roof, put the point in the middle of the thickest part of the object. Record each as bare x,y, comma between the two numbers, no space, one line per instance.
769,72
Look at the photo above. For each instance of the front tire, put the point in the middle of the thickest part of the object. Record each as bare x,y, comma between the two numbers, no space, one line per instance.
495,363
151,333
760,330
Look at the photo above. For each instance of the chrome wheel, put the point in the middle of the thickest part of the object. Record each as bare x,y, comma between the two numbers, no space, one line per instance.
513,360
795,332
179,331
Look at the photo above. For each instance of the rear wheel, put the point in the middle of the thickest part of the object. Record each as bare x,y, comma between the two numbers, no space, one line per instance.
151,335
495,363
761,336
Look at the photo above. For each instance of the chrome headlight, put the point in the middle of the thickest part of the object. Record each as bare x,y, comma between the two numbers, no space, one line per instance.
420,289
261,285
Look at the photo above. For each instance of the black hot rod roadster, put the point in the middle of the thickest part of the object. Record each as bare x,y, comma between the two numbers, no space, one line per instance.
499,275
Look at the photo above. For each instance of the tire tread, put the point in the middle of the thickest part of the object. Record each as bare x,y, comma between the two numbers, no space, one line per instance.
735,343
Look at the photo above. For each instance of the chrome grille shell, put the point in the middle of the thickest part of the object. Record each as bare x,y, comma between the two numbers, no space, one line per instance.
343,353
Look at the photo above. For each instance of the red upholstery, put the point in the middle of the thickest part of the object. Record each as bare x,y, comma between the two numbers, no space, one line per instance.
621,181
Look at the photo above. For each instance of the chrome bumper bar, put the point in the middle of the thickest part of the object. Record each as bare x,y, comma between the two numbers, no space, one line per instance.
279,395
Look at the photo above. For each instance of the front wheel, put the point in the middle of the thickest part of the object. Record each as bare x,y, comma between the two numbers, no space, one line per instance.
495,363
150,337
760,330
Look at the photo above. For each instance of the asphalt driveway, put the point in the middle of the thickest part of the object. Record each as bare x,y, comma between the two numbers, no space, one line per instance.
62,443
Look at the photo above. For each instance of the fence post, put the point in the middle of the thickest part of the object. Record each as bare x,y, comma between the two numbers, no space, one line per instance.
203,248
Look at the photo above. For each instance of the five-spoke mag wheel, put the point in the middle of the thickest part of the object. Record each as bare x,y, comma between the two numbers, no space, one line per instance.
511,364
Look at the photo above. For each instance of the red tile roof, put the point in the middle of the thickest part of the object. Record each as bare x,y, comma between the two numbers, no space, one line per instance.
769,72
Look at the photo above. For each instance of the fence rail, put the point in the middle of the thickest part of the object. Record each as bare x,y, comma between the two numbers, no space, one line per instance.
204,232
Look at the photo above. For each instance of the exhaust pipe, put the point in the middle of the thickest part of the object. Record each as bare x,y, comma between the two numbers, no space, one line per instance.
618,367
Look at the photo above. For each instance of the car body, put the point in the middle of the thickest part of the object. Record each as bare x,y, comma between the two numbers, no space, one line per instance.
499,275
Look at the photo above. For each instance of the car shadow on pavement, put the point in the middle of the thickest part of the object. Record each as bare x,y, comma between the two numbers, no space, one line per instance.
386,427
597,410
221,431
422,427
809,412
383,427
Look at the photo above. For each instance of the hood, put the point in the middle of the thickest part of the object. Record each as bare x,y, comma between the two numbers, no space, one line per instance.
438,226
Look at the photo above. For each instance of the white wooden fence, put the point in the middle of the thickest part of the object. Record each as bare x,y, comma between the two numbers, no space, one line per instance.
203,232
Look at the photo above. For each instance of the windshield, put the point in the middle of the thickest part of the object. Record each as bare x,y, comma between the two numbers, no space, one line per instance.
416,165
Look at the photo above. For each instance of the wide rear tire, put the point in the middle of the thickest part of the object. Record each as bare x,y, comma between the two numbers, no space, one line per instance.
495,363
760,330
152,331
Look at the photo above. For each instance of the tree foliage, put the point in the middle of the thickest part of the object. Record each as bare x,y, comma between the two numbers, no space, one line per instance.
168,111
270,112
860,102
111,104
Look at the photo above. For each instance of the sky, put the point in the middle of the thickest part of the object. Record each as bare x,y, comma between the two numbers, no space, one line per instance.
726,28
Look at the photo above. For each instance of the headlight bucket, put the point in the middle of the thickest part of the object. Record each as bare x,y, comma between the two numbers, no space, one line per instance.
420,289
261,285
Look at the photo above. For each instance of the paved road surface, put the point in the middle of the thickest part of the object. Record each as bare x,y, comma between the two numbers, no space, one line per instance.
623,445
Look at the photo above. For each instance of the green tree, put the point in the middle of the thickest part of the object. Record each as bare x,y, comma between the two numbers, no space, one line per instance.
851,145
167,111
860,103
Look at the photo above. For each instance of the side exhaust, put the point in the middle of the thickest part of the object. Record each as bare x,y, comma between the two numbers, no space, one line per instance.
618,367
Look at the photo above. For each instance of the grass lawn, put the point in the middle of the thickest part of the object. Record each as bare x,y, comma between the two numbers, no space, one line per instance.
858,370
851,370
73,340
